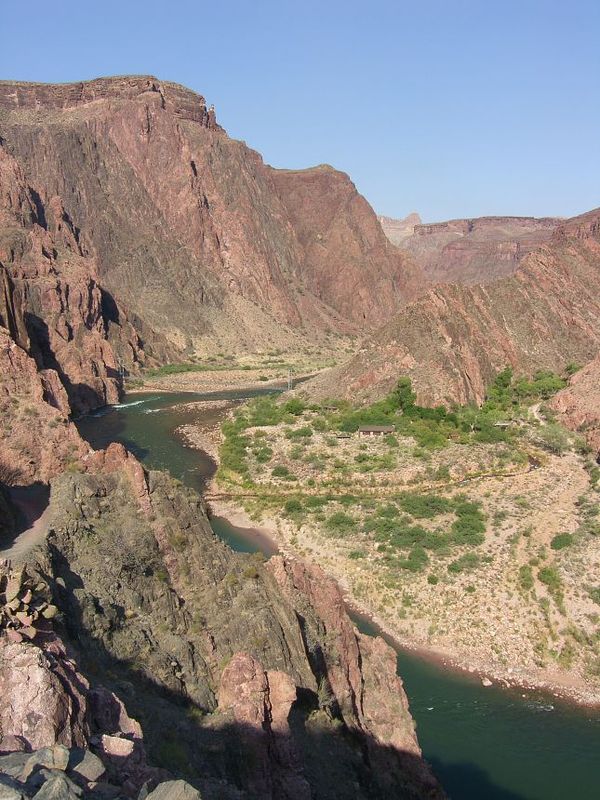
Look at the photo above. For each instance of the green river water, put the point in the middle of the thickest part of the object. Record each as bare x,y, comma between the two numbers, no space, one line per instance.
484,743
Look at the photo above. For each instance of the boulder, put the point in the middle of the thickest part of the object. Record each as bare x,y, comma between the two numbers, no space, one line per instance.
174,790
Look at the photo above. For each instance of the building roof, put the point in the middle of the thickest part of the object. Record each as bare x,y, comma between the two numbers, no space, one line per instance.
376,429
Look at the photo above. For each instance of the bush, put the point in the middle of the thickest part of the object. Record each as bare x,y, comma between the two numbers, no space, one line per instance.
340,523
561,541
594,593
432,579
465,563
425,506
389,511
550,577
299,433
553,438
280,471
525,578
263,455
355,554
469,527
417,560
293,506
294,406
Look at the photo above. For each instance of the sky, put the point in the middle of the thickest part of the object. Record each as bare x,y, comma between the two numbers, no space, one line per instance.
452,109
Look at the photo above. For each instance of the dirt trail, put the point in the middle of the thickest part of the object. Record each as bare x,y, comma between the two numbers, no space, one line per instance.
37,516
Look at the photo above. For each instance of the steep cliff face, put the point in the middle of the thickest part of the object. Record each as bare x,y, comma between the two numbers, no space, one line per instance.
188,228
347,261
453,341
36,440
470,251
217,653
51,301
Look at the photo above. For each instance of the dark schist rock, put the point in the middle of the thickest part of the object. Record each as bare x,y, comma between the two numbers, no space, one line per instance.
217,653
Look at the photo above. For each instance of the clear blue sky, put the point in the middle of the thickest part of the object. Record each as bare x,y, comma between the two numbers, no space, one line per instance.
449,108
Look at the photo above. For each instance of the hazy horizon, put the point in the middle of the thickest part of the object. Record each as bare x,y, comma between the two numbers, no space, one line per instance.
451,112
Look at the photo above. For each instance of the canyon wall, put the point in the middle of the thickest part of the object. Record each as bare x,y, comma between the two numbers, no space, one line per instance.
453,341
188,229
469,251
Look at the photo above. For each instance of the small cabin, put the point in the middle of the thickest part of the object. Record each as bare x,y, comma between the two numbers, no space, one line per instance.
376,430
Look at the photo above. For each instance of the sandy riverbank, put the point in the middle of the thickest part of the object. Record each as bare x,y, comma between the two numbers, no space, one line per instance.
206,437
561,686
236,380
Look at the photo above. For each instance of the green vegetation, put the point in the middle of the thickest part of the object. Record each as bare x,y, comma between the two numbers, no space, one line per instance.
553,438
594,593
561,541
338,524
175,369
425,506
466,562
526,578
433,428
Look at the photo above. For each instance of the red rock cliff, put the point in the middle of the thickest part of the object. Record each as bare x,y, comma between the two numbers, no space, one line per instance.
187,227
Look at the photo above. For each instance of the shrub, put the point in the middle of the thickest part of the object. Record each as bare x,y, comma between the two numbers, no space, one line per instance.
465,563
280,471
594,593
469,527
432,579
550,577
417,560
355,554
315,502
390,511
525,578
293,506
561,541
299,433
294,406
263,455
340,523
553,438
425,506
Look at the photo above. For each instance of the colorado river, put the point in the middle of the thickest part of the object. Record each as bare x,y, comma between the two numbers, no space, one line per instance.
484,743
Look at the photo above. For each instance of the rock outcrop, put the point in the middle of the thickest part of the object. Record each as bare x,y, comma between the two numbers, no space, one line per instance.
218,653
453,341
37,440
55,721
188,229
579,404
51,301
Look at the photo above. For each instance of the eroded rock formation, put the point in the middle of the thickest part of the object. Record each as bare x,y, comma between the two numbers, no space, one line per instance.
579,403
470,251
188,229
216,652
453,341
